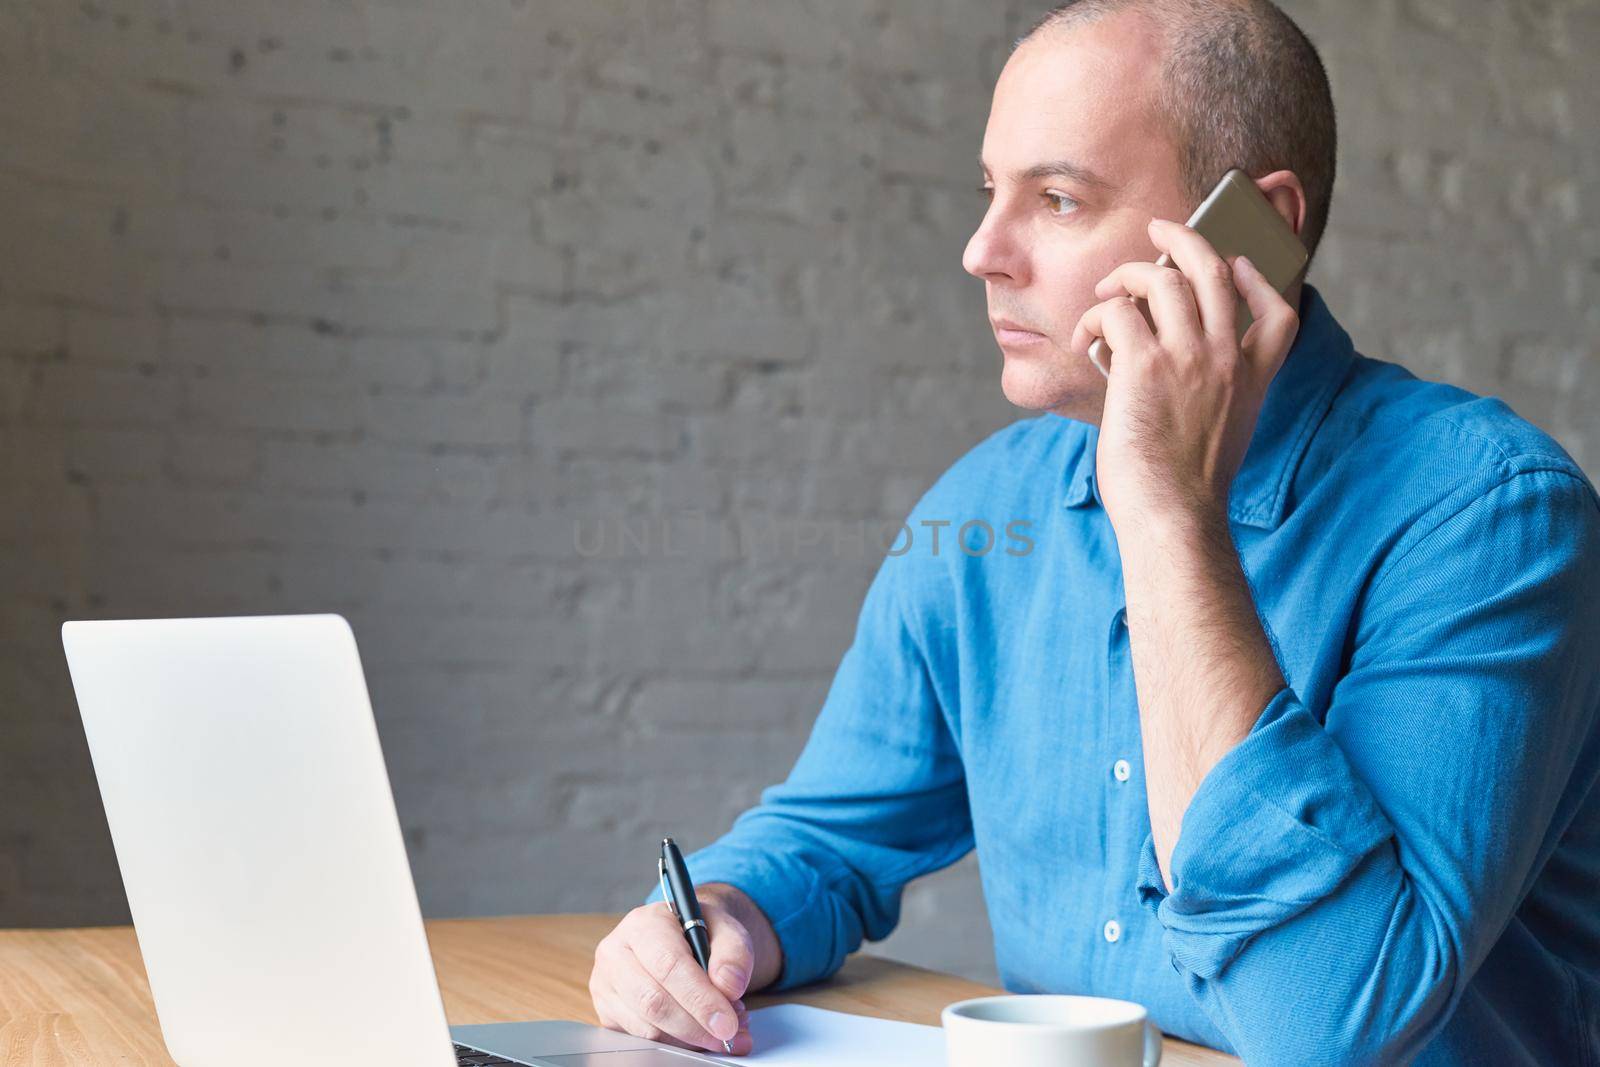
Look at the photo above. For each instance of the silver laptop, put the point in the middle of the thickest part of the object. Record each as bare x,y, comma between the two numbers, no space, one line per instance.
263,861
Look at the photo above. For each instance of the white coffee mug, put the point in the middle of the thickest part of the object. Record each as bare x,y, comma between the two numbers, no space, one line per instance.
1048,1030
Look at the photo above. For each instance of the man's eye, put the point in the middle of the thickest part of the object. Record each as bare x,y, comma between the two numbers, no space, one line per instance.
987,191
1061,199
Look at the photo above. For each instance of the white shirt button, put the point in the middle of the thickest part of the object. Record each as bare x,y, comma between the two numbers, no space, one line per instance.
1113,930
1120,770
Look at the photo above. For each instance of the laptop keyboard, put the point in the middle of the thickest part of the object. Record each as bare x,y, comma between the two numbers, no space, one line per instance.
471,1057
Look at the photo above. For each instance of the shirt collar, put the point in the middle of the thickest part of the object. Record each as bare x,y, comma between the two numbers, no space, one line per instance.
1299,396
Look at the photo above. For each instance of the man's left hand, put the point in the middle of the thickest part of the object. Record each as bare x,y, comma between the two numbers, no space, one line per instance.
1181,401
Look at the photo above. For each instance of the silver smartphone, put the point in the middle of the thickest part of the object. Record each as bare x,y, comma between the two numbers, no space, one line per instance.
1238,221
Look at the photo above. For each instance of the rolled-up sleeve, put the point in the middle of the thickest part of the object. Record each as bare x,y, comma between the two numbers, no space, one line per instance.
876,798
1337,881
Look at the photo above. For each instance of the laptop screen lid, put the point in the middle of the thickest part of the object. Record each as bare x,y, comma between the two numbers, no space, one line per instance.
255,828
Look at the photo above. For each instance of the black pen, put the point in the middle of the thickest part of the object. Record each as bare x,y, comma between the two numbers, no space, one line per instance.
678,891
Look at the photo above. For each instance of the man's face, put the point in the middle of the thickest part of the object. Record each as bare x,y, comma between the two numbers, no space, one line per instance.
1082,96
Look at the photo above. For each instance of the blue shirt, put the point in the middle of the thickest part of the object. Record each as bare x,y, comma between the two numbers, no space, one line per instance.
1401,860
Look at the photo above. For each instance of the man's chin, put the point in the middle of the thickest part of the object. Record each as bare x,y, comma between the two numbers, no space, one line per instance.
1046,385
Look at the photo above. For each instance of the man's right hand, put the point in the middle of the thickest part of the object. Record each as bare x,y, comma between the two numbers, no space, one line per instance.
646,981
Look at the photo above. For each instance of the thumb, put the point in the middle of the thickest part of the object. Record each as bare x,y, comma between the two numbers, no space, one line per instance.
733,957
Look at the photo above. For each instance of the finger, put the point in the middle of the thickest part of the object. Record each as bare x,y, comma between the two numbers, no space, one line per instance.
1169,296
733,954
616,1014
602,996
668,962
1209,275
641,996
1267,340
742,1044
630,1020
615,959
637,998
1119,321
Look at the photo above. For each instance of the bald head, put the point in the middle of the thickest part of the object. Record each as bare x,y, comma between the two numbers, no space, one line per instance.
1240,86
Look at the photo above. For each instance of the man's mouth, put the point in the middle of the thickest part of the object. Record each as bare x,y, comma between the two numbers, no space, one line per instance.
1011,333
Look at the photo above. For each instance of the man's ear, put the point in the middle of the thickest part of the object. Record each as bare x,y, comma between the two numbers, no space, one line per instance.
1282,188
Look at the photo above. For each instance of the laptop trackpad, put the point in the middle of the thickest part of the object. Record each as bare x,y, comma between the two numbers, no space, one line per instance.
645,1057
567,1043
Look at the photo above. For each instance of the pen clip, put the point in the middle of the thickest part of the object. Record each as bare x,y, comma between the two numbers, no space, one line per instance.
666,891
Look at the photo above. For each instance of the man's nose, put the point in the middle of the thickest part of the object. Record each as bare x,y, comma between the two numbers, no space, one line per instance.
990,253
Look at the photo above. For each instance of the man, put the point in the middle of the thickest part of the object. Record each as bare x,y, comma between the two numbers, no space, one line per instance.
1286,728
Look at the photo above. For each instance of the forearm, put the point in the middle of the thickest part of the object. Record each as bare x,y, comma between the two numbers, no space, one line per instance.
1365,975
1203,668
763,939
1292,917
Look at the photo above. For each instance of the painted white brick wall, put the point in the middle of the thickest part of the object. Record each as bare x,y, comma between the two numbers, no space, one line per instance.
360,306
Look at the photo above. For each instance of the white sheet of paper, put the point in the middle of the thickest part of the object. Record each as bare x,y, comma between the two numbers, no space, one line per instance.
798,1035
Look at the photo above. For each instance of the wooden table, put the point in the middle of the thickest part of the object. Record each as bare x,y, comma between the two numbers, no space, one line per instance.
80,996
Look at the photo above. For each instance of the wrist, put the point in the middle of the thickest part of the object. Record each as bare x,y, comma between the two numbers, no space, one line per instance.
1168,533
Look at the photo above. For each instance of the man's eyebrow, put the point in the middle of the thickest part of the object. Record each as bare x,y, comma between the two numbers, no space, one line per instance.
1059,168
